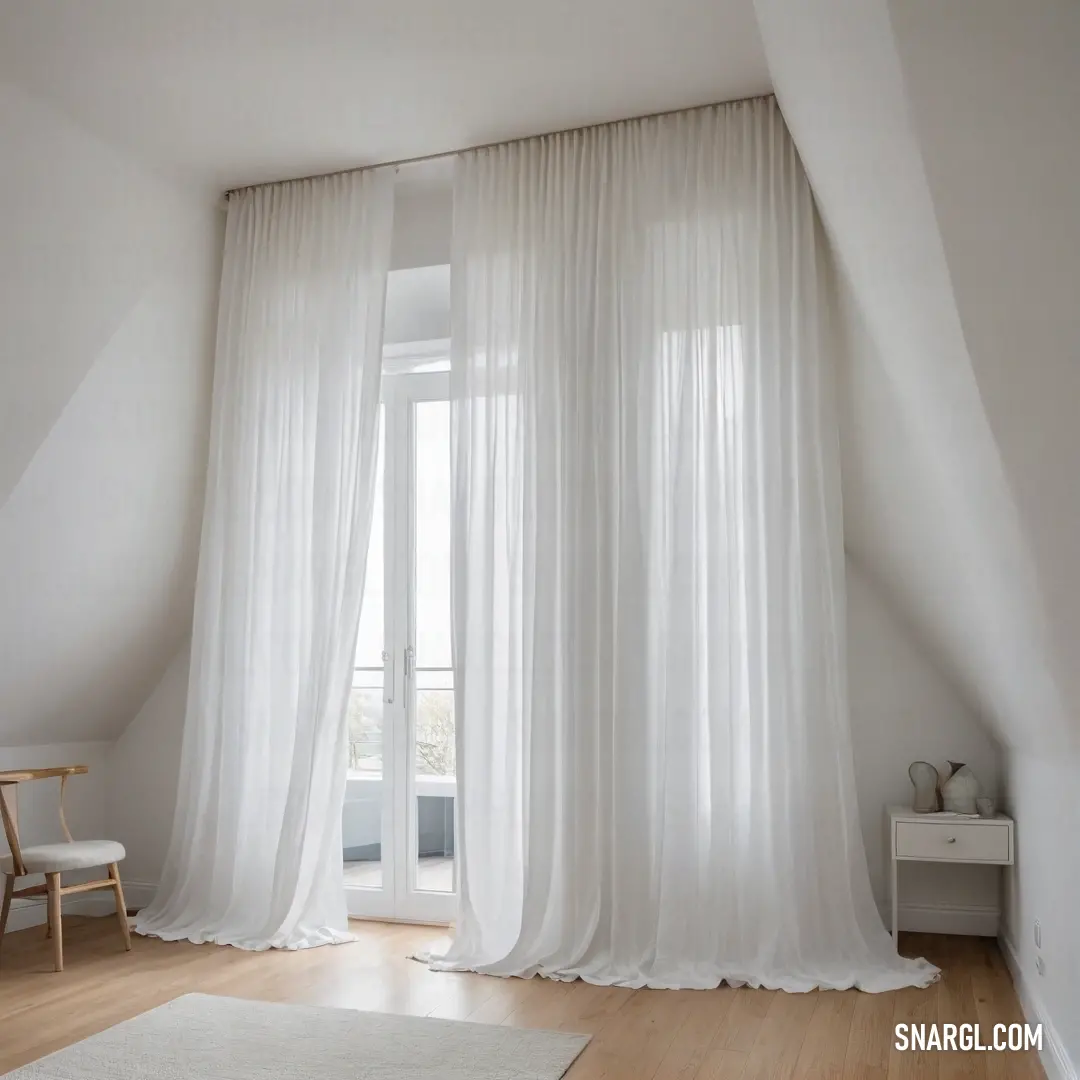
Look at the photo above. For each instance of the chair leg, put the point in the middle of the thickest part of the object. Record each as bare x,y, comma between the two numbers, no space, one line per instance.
9,887
53,883
121,907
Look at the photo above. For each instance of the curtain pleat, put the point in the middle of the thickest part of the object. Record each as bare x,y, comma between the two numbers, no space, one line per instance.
655,769
255,855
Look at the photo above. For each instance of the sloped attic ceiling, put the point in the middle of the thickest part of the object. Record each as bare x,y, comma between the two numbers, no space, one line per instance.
940,141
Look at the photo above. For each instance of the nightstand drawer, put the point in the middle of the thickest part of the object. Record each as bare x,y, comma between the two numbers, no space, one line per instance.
954,841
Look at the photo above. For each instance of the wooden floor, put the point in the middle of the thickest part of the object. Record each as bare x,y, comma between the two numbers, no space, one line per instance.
723,1034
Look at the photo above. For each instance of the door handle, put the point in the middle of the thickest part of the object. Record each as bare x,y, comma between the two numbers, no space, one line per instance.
410,653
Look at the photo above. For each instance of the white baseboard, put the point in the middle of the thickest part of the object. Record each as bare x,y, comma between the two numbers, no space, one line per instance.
138,894
950,919
970,920
1054,1058
31,911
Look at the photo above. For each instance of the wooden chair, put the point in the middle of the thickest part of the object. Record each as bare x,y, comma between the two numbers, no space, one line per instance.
52,860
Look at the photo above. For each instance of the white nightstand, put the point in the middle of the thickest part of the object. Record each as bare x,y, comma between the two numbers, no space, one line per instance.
940,838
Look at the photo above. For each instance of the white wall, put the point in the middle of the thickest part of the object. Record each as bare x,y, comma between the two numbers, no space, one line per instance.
83,231
930,506
993,90
423,215
417,305
85,805
904,709
1045,885
143,770
108,280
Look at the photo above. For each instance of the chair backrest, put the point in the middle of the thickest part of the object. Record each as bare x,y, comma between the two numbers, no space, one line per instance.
9,804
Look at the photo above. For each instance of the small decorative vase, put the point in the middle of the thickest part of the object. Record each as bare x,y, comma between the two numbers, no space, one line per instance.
986,807
959,791
925,779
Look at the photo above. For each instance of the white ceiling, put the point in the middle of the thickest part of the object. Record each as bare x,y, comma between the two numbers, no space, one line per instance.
251,90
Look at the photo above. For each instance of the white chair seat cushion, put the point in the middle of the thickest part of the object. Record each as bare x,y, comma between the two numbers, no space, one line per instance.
55,858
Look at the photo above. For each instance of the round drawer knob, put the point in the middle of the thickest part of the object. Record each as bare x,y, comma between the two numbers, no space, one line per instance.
950,840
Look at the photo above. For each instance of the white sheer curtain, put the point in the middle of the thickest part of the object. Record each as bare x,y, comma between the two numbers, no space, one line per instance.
255,857
654,754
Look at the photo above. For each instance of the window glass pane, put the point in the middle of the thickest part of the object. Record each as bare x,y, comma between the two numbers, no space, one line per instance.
369,643
361,814
434,840
366,730
435,733
433,754
433,534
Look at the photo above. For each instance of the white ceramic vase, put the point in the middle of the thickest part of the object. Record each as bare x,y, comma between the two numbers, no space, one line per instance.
924,778
959,792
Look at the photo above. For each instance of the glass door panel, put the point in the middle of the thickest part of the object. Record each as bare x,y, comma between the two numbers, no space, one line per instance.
436,784
433,735
363,814
398,825
432,517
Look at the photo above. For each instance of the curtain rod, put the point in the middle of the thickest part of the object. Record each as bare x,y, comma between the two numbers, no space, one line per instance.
443,154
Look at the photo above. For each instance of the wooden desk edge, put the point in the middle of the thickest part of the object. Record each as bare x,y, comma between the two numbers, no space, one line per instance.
17,776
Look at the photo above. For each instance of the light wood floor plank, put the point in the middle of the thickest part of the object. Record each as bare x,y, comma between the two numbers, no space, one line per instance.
870,1038
701,1021
956,1005
780,1037
723,1064
742,1022
824,1048
640,1033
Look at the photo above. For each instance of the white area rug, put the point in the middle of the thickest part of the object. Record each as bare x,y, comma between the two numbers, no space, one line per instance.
199,1037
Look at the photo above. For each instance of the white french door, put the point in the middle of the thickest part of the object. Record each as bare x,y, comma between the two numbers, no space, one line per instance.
398,819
